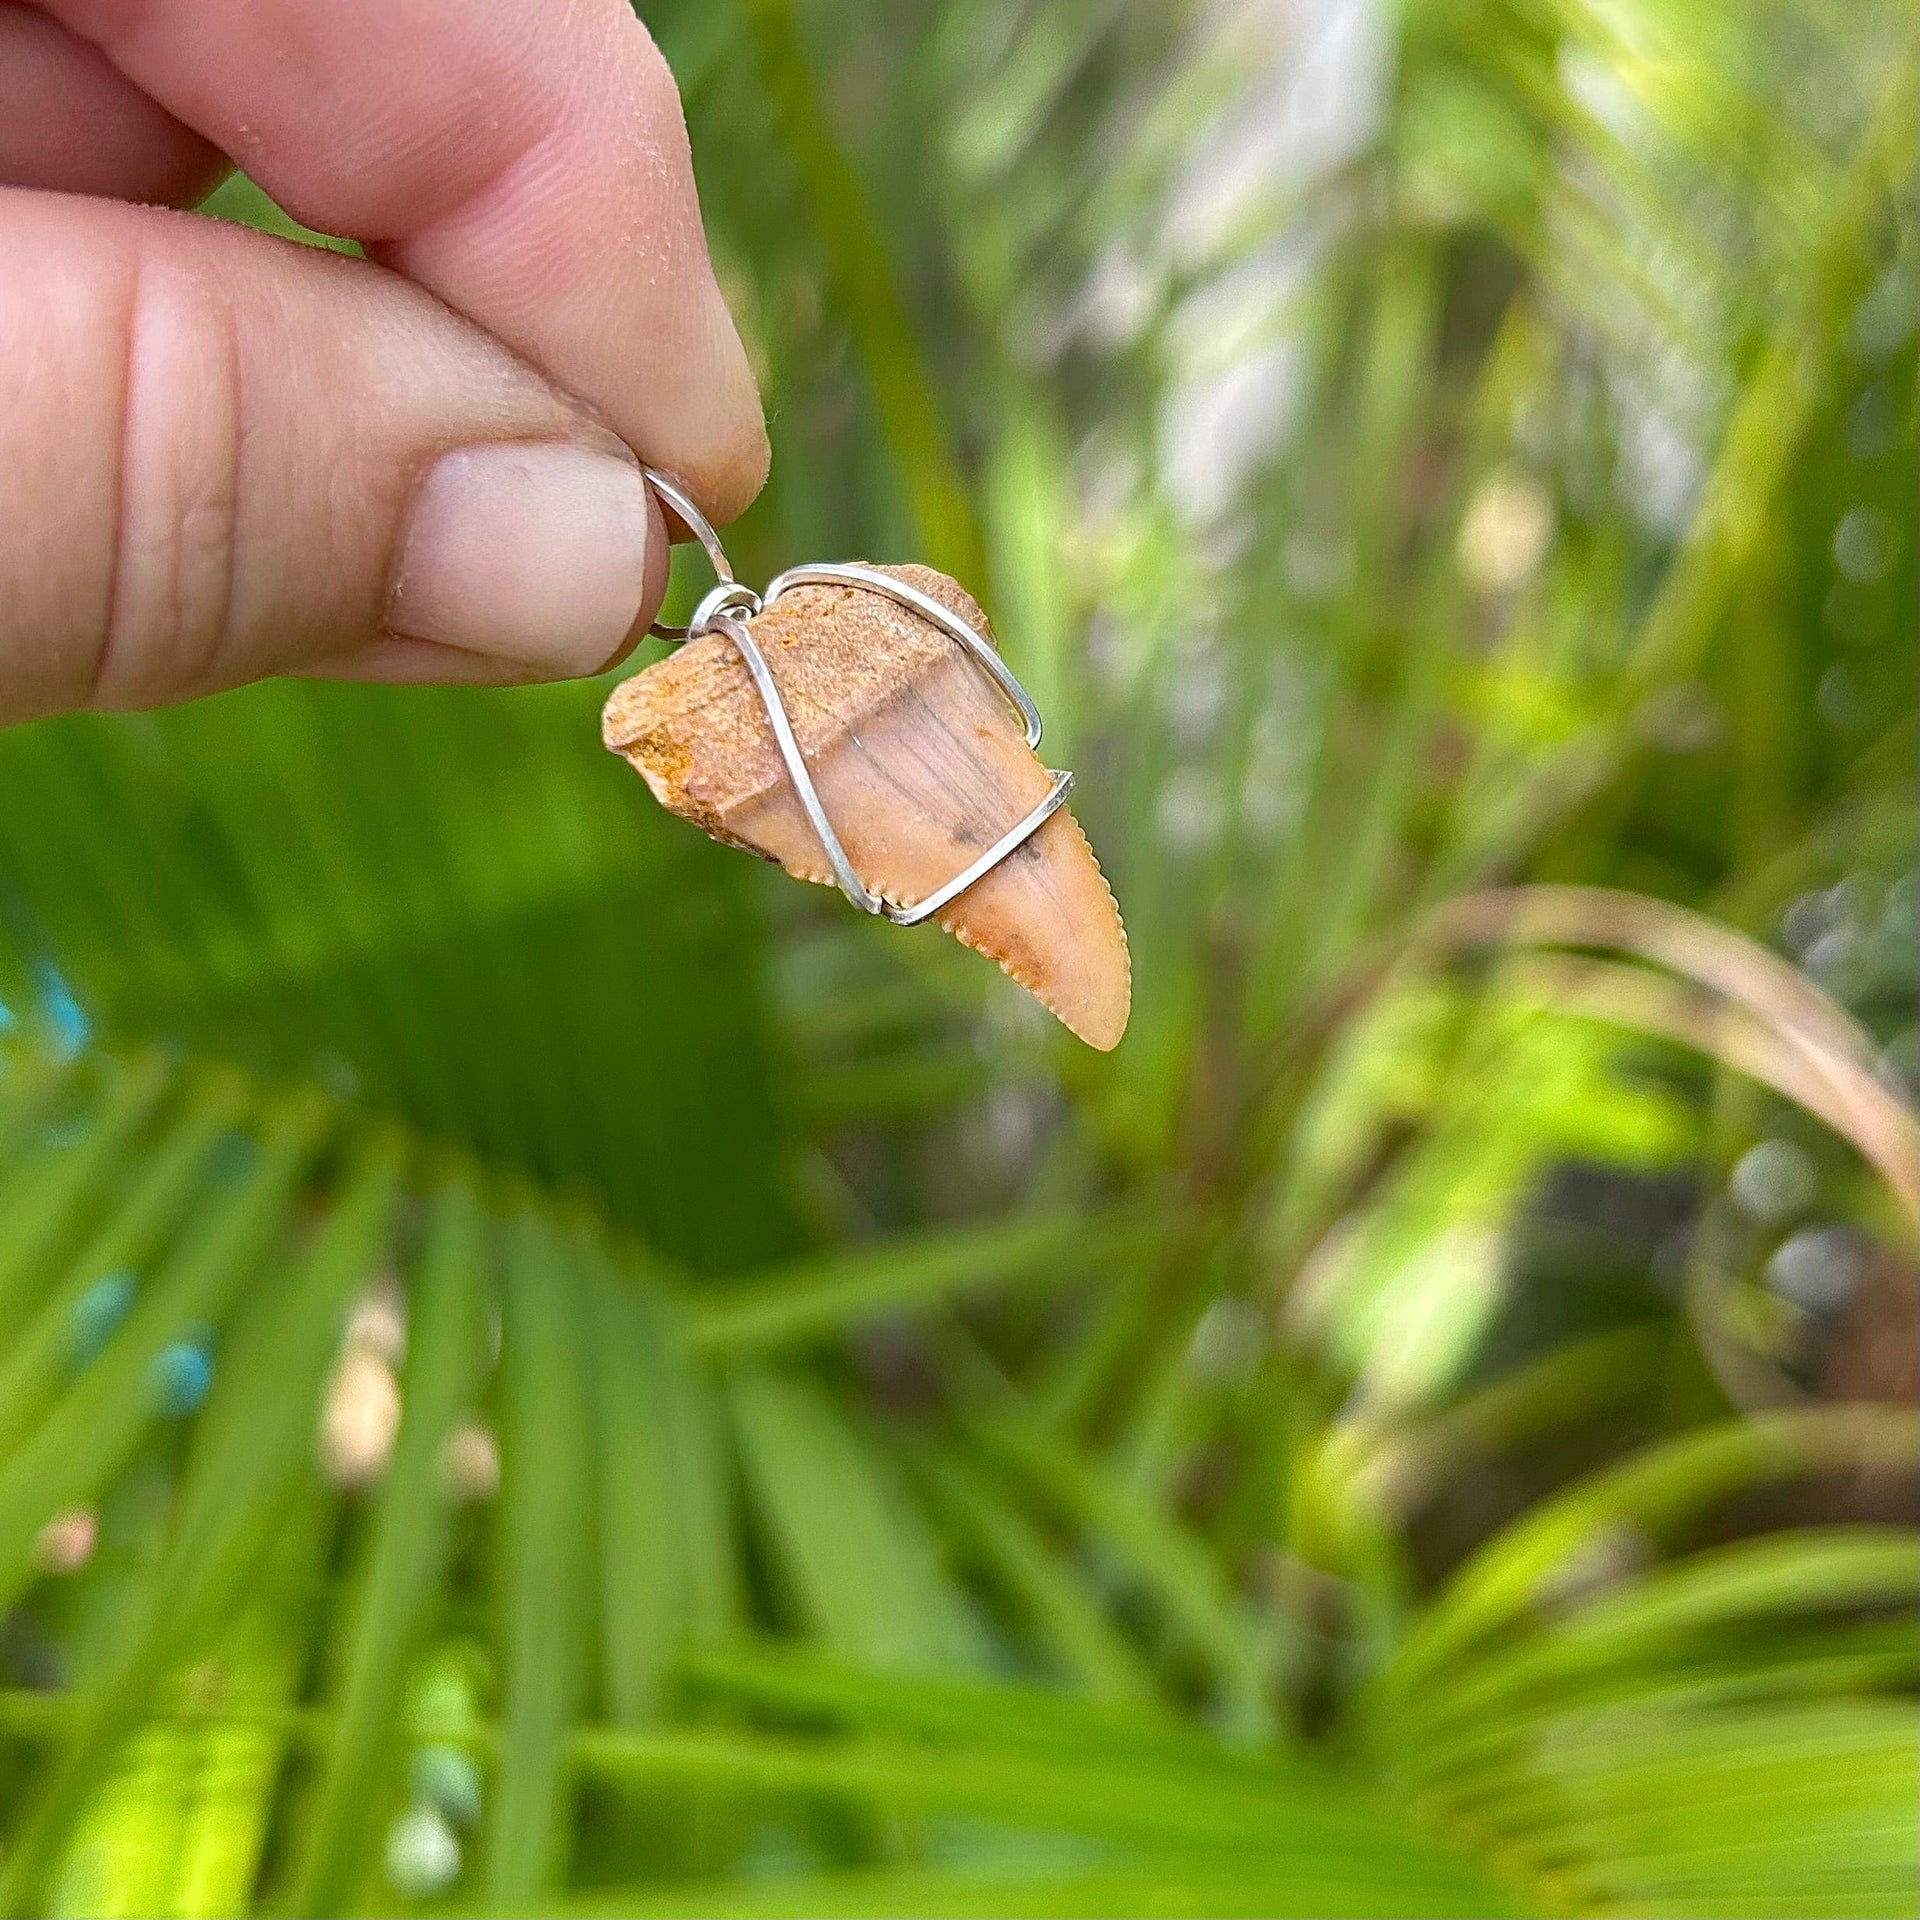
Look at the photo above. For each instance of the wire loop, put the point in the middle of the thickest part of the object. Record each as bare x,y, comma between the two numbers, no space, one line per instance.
696,522
720,611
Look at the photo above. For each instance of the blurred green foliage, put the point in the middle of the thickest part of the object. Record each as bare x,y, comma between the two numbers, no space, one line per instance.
551,1370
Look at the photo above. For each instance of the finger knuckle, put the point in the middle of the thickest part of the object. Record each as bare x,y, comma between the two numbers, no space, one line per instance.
170,612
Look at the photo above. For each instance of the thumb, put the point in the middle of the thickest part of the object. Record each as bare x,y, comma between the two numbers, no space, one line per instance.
226,456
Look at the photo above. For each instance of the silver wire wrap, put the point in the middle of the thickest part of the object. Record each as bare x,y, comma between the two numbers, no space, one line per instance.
721,611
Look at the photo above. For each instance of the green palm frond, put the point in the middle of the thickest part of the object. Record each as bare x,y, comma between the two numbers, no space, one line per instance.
1536,1712
437,905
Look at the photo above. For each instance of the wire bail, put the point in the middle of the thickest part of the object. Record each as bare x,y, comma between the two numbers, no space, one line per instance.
721,611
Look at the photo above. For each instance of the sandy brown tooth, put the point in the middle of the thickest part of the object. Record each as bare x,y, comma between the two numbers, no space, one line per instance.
921,765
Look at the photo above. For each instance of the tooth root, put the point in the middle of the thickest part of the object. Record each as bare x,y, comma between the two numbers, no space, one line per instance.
921,766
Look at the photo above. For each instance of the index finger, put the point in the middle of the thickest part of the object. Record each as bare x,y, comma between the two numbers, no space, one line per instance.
526,161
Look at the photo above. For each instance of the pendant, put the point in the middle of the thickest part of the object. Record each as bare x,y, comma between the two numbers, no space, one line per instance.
857,725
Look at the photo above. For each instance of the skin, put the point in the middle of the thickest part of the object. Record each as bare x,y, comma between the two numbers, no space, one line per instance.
210,439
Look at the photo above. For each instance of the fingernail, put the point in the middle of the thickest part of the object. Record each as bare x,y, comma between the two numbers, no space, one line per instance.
528,551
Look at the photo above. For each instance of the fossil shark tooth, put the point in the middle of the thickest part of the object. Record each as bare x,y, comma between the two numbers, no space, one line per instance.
920,763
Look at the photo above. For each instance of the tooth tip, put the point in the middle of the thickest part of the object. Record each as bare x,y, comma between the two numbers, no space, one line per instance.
1049,918
1105,1030
1103,1038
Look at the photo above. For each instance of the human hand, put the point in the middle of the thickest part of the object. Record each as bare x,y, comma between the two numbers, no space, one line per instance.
224,456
